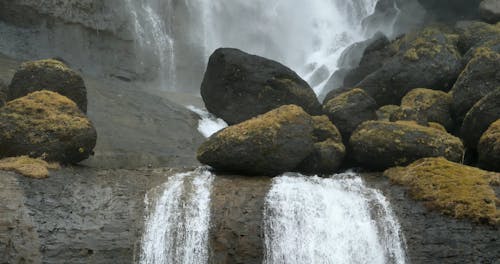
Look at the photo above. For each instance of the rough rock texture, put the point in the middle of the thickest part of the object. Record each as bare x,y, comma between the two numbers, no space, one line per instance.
409,114
489,148
434,105
350,109
479,118
490,10
380,144
451,188
269,144
329,151
238,86
451,10
46,124
3,94
428,58
385,112
473,33
51,75
479,78
29,167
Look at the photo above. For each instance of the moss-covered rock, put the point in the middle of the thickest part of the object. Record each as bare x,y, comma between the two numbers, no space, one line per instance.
51,75
385,112
46,124
454,189
381,144
238,86
479,118
29,167
473,33
434,105
480,77
409,114
328,152
350,109
3,93
490,11
427,58
489,148
269,144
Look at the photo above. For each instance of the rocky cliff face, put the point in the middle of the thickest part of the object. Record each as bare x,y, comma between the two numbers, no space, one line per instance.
85,215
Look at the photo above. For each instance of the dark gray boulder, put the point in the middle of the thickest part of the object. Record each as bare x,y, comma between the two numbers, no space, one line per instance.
490,10
432,105
238,86
474,33
489,148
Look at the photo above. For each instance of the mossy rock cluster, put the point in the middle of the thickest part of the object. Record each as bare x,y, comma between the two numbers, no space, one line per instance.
385,112
238,86
48,125
451,188
474,33
489,148
433,105
381,144
51,75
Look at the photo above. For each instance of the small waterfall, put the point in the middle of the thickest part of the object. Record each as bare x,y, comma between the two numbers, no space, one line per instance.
329,220
176,228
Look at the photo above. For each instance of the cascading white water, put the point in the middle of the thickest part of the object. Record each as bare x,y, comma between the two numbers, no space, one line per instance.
329,220
176,228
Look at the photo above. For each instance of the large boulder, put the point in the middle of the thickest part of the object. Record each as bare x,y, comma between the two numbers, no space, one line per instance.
452,188
428,58
489,148
52,75
473,33
3,93
48,125
479,118
381,144
238,86
269,144
490,10
328,152
434,105
350,109
480,77
385,112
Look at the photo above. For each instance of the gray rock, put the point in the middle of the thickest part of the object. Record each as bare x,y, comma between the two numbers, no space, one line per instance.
490,10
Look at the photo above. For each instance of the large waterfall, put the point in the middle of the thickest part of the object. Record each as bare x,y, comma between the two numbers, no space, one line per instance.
329,220
176,228
308,36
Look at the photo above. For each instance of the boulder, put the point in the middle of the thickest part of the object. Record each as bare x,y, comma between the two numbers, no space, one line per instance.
480,77
434,105
350,109
328,152
490,10
479,118
409,114
451,188
382,144
385,112
473,33
238,86
269,144
52,75
3,94
428,58
489,148
48,125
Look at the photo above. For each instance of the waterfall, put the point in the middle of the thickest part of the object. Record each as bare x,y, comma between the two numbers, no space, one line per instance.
176,228
307,36
329,220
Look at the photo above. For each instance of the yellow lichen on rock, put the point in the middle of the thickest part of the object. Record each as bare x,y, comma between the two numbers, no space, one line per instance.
29,167
454,189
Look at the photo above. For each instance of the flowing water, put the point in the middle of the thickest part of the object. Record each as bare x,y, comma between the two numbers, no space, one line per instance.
176,228
329,220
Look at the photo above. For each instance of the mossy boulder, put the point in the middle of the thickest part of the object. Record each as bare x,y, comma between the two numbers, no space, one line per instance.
480,77
451,188
409,114
490,10
3,93
350,109
238,86
489,148
385,112
474,33
382,144
52,75
269,144
427,58
434,105
48,125
479,118
328,152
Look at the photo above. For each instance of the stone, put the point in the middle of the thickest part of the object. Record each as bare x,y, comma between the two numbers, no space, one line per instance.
269,144
238,86
48,125
381,144
473,33
29,167
489,148
385,112
434,105
490,10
